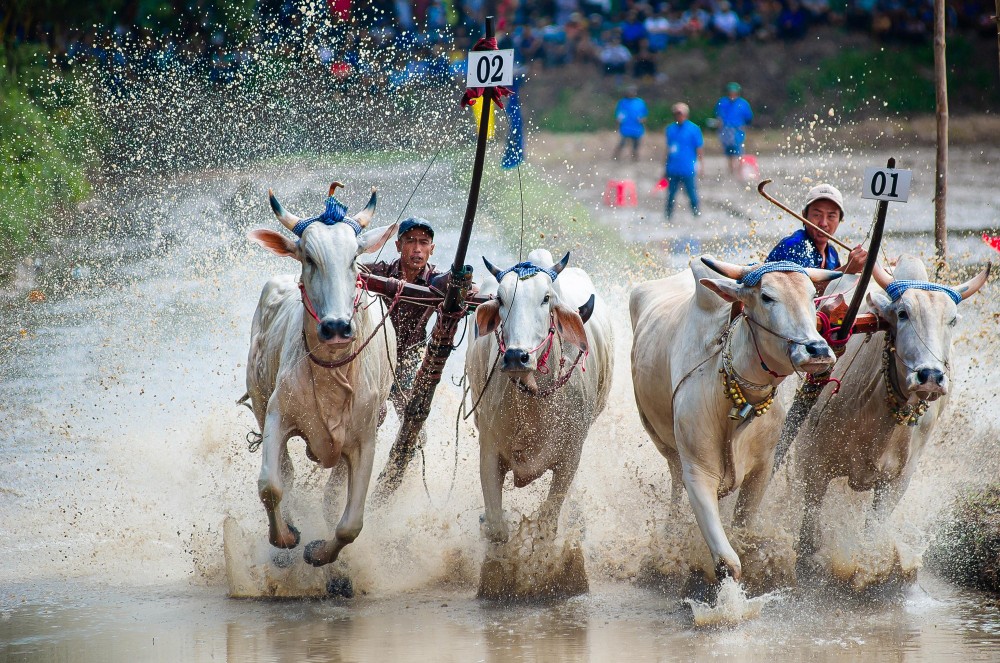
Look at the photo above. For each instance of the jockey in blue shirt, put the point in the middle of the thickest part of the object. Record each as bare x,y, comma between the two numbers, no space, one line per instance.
809,248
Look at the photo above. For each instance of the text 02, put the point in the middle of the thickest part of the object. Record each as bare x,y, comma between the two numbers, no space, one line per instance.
490,68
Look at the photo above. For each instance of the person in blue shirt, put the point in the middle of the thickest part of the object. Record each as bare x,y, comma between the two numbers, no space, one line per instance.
809,248
684,149
631,114
734,114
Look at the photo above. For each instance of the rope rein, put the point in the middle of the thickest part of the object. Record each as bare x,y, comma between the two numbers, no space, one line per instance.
337,363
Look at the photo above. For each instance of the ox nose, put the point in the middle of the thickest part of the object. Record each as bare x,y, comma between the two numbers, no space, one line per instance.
817,349
930,375
335,328
515,359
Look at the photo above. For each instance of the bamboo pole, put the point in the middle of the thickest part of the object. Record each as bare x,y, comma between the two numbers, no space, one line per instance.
941,93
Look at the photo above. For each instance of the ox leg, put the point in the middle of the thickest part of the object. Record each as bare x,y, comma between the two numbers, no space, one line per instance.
359,475
562,477
887,496
491,473
703,492
275,474
676,476
750,496
814,490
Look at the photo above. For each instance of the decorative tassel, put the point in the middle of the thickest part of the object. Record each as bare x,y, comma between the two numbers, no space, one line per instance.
477,110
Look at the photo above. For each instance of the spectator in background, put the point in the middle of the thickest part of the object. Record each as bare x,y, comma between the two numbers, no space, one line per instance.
791,21
725,23
631,114
615,57
684,150
644,64
734,114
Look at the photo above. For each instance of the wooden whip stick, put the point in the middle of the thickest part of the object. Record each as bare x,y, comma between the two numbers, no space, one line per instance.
776,203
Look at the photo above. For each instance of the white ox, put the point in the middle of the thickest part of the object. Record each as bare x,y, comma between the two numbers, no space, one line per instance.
524,426
294,382
858,433
678,356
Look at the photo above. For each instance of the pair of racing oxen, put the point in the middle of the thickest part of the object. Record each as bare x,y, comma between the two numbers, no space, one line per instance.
704,377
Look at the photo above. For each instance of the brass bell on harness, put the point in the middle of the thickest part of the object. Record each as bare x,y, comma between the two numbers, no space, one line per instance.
737,413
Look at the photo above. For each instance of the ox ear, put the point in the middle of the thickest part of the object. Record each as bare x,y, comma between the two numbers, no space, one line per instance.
880,304
728,290
569,324
274,242
487,317
373,239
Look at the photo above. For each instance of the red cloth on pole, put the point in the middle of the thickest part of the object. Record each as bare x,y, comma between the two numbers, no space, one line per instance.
494,93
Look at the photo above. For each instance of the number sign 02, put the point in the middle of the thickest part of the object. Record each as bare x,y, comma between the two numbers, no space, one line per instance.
887,184
490,68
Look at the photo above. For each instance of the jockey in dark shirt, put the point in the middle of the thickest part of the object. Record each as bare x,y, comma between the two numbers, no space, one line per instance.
415,243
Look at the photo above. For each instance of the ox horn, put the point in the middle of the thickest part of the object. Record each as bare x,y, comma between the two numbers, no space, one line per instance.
587,309
561,265
817,275
365,216
493,270
287,218
972,286
333,187
727,269
881,276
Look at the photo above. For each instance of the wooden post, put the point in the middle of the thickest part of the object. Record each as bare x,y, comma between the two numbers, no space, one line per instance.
450,314
941,176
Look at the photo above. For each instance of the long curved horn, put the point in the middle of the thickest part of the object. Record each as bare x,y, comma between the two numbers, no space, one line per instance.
561,265
333,187
493,270
972,286
587,309
727,269
822,275
287,218
365,216
882,277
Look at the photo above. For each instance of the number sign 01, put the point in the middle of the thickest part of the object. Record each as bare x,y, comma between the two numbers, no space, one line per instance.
887,184
490,68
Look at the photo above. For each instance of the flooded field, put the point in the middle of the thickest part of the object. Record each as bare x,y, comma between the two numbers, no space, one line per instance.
123,455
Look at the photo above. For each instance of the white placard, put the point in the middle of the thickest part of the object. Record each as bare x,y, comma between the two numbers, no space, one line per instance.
886,184
490,68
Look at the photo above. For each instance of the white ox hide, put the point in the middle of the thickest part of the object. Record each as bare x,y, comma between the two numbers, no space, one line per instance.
335,410
530,434
677,356
854,433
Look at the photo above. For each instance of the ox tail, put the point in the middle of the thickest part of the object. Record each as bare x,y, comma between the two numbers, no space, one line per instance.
243,400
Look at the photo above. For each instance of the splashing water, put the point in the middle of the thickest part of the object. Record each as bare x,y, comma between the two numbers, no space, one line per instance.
731,607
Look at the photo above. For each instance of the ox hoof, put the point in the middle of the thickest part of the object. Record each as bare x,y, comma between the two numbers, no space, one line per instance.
340,587
282,558
277,542
313,551
723,570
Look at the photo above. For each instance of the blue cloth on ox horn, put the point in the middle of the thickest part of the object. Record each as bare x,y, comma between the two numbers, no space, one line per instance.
335,212
896,289
526,270
754,276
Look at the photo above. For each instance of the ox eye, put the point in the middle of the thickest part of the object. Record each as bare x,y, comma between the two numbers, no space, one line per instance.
953,322
767,299
903,315
499,301
546,300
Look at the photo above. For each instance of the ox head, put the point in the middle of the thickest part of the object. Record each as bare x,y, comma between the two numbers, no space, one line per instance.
781,303
922,317
328,247
526,308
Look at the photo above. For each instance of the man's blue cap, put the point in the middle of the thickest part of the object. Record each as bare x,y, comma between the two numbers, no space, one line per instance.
414,222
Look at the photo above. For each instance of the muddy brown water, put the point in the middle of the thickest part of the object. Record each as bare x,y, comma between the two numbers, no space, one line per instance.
123,459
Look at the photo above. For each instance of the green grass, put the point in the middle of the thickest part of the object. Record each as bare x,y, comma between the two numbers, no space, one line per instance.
967,546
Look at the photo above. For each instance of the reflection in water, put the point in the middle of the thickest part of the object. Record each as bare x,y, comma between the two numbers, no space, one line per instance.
122,454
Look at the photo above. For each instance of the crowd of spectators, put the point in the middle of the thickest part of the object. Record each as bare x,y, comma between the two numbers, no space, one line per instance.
428,38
